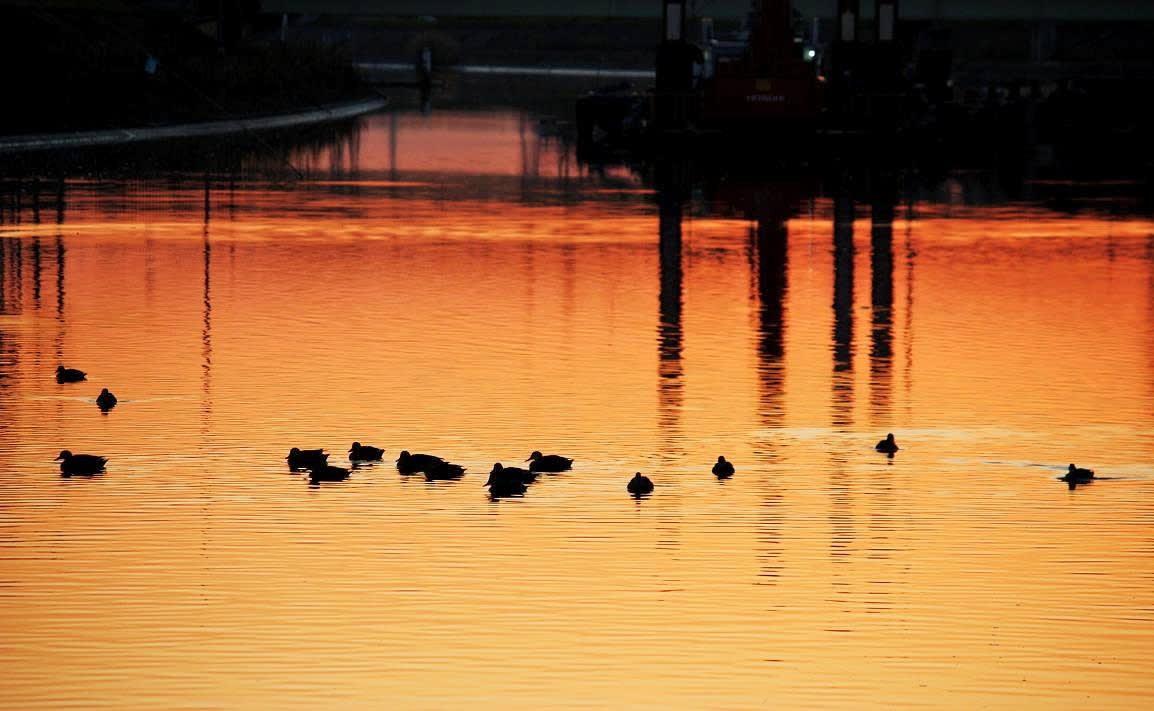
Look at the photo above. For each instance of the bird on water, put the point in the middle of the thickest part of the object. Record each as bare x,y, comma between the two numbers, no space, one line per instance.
443,471
412,463
105,400
723,469
69,375
887,445
506,481
364,453
306,458
549,462
1078,475
525,476
639,485
80,463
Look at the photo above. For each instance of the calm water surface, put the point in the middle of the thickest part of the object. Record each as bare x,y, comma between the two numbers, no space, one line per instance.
457,284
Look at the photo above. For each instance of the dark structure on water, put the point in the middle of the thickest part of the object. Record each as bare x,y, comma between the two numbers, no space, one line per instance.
985,82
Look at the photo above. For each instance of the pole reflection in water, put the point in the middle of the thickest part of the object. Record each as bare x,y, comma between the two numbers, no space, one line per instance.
36,267
672,182
1150,321
206,331
60,277
7,276
908,323
843,277
882,295
770,239
8,353
770,207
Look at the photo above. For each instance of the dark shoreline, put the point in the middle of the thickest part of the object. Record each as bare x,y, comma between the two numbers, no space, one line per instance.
110,137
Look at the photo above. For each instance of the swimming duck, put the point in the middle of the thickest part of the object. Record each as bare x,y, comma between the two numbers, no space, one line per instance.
1078,475
639,485
306,458
413,463
364,453
887,445
723,469
80,463
444,470
549,463
327,473
69,375
505,481
105,400
525,476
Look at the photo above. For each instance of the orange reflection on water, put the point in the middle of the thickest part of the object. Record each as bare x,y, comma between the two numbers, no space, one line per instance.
482,324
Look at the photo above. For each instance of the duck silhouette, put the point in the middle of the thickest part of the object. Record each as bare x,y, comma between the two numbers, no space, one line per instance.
887,445
443,471
639,485
413,463
306,458
1077,475
549,462
526,476
723,469
327,472
105,400
364,453
69,375
506,481
80,463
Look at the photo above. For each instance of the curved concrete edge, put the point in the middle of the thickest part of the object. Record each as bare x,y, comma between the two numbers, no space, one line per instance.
87,139
501,69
